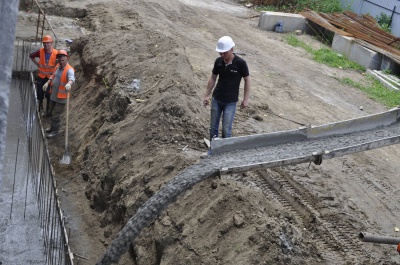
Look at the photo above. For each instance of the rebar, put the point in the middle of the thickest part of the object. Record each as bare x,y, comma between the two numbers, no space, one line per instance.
40,172
15,173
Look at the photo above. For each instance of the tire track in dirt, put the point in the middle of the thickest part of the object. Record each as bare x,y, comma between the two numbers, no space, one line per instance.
383,192
337,246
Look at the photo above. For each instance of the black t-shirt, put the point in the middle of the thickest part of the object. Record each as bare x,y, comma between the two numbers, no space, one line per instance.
229,77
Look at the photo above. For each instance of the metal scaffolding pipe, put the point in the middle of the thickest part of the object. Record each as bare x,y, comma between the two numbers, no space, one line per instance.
367,237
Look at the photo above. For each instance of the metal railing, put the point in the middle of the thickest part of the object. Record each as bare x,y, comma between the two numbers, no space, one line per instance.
40,171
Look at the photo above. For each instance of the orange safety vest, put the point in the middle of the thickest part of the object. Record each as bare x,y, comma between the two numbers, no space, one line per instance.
62,93
46,70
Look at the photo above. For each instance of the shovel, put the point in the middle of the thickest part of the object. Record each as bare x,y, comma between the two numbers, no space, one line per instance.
66,159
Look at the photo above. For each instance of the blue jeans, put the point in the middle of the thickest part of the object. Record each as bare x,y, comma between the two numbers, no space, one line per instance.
227,109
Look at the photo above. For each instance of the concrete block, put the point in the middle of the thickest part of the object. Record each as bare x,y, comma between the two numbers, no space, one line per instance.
342,44
291,22
357,53
365,57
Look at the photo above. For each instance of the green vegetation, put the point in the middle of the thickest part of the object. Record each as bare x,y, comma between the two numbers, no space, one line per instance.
106,83
384,21
296,6
376,91
325,55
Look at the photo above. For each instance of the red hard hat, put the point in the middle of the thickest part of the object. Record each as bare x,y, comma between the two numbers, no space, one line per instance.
47,38
62,52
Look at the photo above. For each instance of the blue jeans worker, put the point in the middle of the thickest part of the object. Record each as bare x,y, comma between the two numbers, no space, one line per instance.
230,69
60,86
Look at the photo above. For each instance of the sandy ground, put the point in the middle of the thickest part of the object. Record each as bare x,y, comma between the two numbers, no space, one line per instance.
127,143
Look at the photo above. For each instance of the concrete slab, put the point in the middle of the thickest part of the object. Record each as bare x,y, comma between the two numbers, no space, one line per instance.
291,22
365,57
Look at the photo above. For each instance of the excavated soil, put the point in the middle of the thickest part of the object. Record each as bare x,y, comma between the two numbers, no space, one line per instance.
127,141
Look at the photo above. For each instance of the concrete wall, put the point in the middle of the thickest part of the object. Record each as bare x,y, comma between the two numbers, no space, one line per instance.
8,24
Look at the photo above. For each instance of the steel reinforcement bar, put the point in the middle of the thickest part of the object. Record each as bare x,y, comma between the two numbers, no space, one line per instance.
41,174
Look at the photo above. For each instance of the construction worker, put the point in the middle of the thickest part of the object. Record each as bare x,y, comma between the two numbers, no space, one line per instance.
46,63
60,83
230,70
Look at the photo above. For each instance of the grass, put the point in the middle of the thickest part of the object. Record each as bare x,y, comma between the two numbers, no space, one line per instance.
296,6
325,55
376,91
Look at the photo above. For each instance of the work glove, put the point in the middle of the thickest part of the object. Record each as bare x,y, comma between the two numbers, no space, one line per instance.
46,85
68,87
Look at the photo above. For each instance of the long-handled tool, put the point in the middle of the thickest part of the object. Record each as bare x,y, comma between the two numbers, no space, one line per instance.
66,159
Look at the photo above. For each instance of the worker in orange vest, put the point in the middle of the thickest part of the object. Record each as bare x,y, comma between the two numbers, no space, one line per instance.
60,85
46,64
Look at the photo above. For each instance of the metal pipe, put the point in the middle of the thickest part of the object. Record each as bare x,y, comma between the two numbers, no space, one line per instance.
383,7
44,19
366,237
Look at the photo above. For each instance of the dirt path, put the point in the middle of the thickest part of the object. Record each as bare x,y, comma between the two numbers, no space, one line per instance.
127,144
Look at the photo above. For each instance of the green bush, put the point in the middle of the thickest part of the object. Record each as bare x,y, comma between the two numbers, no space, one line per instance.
384,21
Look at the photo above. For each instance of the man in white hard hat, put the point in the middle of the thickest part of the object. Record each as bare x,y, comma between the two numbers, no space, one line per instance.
230,70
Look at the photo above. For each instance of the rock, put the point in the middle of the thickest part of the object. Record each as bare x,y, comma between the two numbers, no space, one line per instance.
166,221
169,167
258,118
214,185
238,219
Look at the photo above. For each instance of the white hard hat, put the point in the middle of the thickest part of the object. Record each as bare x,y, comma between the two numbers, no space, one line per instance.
224,44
